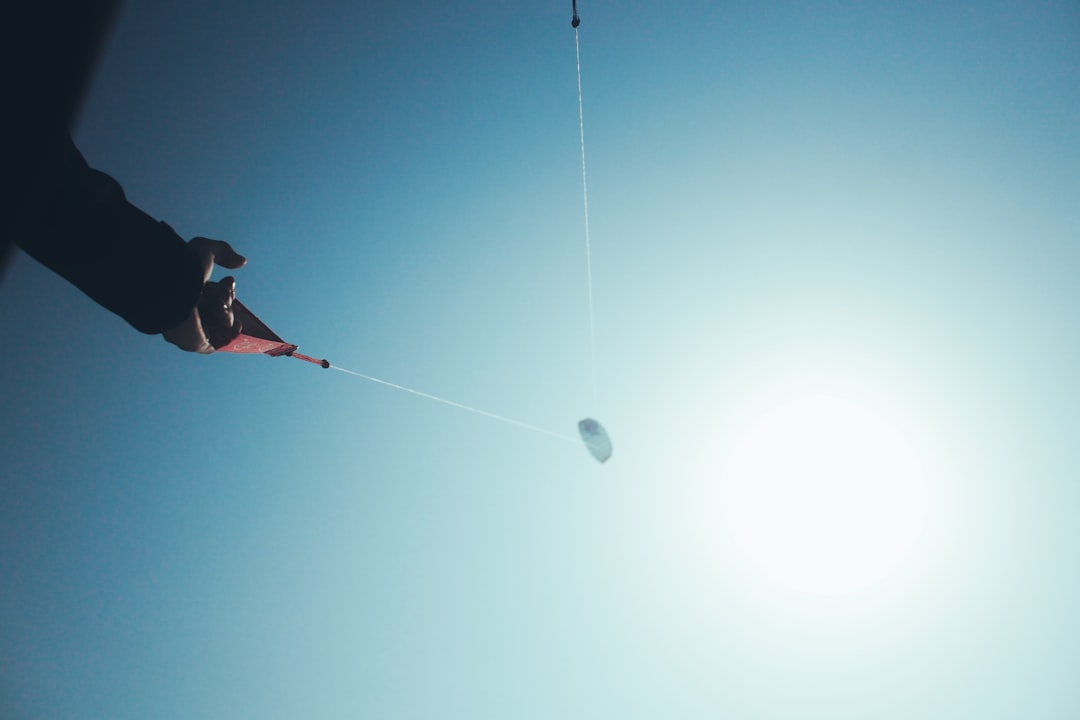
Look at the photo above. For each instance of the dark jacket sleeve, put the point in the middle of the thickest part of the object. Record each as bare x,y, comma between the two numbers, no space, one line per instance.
125,260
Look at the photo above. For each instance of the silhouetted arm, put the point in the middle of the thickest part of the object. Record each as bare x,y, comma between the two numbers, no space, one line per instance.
125,260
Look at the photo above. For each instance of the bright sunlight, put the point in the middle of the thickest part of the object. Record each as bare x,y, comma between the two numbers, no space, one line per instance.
824,496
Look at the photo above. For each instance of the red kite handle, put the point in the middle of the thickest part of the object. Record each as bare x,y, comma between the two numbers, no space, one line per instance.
298,356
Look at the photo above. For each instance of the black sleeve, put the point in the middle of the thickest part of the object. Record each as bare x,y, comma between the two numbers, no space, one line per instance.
125,260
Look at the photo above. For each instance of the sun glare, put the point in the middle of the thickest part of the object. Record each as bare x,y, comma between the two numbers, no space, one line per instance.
824,496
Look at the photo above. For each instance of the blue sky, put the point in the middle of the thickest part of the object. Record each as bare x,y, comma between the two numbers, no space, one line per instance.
807,222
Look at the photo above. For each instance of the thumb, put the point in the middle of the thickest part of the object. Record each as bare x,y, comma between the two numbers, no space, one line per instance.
216,252
226,257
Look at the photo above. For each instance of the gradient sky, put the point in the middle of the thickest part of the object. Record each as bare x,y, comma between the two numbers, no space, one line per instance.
874,203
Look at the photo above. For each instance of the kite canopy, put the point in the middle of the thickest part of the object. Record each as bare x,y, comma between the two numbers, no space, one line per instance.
256,337
596,439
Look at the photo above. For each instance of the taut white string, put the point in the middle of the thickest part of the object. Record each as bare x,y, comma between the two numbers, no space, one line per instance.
455,404
588,242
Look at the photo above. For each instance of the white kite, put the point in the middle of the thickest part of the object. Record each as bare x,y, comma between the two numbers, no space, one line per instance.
596,439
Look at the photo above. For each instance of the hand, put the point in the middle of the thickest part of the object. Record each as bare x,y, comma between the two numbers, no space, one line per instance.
211,323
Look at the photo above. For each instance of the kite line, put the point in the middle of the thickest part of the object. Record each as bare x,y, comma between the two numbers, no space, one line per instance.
585,194
588,272
451,403
256,337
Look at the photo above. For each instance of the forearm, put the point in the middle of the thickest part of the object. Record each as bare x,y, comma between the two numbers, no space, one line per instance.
122,258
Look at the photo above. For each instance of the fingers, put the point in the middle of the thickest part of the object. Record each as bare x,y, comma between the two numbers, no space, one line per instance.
216,314
228,295
212,323
189,335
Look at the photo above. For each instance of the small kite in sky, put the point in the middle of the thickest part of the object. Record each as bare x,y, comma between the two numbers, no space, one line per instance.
596,439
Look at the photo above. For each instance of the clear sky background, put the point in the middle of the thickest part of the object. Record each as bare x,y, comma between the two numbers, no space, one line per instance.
835,255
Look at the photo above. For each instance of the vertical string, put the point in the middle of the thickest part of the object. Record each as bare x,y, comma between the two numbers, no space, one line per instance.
588,243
